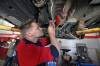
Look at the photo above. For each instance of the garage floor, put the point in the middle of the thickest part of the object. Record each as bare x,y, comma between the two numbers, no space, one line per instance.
1,62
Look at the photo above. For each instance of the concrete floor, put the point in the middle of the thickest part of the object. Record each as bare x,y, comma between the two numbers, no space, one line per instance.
1,62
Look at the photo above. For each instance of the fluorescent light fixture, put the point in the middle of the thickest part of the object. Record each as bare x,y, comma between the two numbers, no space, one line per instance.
4,22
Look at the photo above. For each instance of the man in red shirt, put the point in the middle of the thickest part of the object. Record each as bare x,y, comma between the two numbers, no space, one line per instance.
30,52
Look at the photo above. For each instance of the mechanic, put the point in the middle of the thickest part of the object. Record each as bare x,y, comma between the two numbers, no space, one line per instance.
30,52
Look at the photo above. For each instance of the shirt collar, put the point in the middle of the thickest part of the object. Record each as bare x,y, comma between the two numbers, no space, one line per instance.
30,42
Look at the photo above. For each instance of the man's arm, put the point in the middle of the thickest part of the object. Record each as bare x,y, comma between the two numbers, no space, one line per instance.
51,32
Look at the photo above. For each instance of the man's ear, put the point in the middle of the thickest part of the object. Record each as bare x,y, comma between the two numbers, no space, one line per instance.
29,34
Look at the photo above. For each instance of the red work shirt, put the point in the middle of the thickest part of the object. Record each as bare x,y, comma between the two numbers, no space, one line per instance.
30,54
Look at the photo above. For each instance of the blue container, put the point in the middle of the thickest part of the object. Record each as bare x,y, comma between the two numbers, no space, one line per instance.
51,63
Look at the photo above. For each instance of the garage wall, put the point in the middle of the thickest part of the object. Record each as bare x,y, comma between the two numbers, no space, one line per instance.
93,46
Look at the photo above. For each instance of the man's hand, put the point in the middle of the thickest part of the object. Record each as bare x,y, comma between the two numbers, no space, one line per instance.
51,30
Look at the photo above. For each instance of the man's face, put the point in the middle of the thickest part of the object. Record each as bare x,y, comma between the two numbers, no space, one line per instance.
35,31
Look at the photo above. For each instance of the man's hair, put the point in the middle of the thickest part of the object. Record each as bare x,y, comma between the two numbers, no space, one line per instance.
28,24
